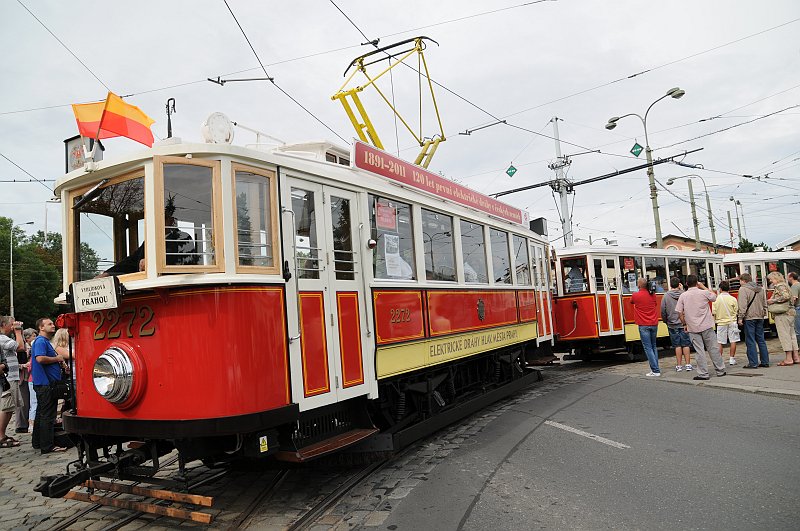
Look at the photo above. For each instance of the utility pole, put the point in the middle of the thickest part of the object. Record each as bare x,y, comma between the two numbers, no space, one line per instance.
694,218
562,187
710,220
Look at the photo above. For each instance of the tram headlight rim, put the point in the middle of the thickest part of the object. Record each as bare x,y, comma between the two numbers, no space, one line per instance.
116,365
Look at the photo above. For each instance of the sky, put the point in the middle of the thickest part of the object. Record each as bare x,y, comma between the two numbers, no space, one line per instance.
522,62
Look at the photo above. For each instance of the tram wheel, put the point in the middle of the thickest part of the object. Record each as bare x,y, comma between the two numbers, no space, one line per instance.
635,352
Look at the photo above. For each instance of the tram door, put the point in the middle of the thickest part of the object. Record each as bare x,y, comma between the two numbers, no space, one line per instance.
541,284
609,306
325,296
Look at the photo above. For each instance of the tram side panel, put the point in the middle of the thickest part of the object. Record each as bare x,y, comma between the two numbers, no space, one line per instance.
576,317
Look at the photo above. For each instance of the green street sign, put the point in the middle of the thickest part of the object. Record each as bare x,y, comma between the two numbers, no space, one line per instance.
511,171
636,149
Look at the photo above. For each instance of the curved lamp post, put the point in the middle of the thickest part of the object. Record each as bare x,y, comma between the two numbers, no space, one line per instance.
675,93
11,269
694,212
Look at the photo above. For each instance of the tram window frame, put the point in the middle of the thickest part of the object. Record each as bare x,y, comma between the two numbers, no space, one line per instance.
695,269
786,266
217,241
520,243
497,259
683,271
479,249
629,285
445,243
405,240
579,261
73,253
272,226
663,285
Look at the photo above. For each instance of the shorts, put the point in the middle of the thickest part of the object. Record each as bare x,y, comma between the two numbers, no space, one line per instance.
11,398
727,332
679,337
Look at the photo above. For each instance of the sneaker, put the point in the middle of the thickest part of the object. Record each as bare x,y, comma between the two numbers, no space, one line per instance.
678,368
689,367
723,374
651,373
701,378
732,361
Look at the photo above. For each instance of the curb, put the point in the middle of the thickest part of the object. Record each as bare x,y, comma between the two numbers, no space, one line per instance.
781,393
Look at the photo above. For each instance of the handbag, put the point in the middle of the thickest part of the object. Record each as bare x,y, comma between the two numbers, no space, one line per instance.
779,308
60,388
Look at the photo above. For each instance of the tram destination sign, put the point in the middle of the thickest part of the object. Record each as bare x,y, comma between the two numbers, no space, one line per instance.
96,294
377,161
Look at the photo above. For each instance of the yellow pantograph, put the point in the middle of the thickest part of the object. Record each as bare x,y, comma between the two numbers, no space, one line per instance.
358,115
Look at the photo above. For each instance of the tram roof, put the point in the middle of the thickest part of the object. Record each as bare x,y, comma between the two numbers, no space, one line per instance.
632,251
736,258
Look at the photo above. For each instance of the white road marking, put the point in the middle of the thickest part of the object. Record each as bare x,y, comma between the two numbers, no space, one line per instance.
586,434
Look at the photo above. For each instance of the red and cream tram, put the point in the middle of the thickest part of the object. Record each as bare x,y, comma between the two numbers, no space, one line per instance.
592,309
286,301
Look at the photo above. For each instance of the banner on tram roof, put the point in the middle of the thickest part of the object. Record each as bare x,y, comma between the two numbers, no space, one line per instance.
377,161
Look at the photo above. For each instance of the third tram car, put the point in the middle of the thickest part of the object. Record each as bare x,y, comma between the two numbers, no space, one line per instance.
286,301
592,309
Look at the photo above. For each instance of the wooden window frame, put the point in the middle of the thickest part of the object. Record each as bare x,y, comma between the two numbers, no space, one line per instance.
272,181
138,173
216,203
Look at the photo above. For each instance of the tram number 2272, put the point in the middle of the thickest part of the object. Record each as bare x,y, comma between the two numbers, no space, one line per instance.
399,315
132,320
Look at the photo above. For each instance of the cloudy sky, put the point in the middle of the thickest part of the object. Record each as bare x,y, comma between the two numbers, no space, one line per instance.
522,62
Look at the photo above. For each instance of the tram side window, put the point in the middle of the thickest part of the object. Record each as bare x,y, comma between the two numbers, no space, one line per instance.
189,215
575,274
501,262
656,269
631,269
787,266
392,228
678,268
253,218
697,266
438,244
521,260
473,248
109,230
305,236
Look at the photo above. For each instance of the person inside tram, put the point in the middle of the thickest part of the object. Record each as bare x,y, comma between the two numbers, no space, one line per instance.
180,248
576,280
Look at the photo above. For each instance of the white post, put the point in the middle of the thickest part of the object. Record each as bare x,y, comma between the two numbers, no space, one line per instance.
11,272
561,188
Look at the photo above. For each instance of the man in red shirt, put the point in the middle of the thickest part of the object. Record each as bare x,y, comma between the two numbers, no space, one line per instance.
645,314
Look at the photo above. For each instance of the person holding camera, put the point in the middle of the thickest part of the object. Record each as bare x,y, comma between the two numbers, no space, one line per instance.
10,399
46,367
695,314
645,315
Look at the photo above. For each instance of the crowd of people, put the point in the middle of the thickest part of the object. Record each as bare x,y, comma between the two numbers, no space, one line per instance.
34,368
699,318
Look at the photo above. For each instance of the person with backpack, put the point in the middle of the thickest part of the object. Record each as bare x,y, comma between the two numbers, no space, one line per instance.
677,335
752,310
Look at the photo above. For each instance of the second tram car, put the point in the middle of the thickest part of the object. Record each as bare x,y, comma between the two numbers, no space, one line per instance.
286,301
592,309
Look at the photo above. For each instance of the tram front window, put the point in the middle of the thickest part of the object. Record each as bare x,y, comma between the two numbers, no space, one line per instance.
575,275
188,215
437,239
392,229
109,229
656,269
254,213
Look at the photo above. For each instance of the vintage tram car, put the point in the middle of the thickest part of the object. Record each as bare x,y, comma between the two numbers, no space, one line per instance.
592,309
286,301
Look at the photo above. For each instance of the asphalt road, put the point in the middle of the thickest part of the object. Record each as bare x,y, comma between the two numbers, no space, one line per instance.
676,457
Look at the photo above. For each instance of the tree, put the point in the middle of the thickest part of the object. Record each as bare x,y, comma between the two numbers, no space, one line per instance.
746,246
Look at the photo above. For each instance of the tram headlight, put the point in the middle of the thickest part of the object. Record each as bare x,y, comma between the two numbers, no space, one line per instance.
113,375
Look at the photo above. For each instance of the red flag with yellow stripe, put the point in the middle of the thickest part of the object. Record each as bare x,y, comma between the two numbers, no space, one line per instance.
112,118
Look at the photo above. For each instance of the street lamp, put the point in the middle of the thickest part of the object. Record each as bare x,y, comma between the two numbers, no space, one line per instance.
11,269
738,206
675,93
694,213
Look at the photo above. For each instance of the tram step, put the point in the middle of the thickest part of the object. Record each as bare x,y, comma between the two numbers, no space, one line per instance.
332,444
